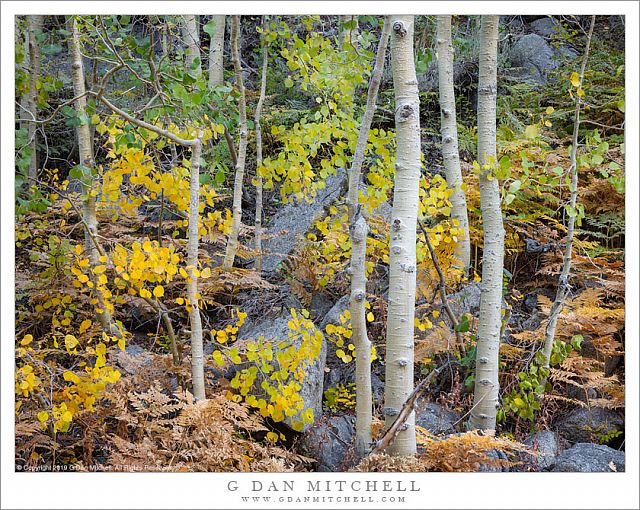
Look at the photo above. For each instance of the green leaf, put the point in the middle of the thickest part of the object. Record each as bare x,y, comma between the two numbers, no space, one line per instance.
288,82
463,325
531,132
220,176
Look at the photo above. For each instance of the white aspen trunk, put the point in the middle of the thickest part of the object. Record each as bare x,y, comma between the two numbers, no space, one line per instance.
450,154
358,231
563,283
483,413
197,353
192,44
232,243
216,52
34,25
263,91
85,151
402,250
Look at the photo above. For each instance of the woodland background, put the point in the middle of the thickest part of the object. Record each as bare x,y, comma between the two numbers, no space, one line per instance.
105,322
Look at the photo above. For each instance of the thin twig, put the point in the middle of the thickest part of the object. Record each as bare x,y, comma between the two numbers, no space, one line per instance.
443,290
407,408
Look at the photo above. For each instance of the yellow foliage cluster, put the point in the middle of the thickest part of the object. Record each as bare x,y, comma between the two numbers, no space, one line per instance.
278,368
340,334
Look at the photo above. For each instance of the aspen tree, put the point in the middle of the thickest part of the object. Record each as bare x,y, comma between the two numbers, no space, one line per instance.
563,284
483,413
192,44
216,50
34,27
450,154
197,350
402,250
85,151
263,91
358,230
232,243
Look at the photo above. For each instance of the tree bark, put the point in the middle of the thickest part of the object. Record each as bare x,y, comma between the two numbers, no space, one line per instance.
483,414
34,25
263,91
197,354
402,252
85,151
216,52
450,154
563,283
192,44
232,243
358,231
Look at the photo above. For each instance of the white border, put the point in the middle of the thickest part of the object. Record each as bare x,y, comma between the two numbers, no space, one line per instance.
205,490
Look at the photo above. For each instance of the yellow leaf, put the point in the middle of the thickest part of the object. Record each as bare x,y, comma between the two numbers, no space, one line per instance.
26,340
370,317
71,377
99,269
43,416
575,79
550,110
85,325
206,273
158,291
70,341
580,92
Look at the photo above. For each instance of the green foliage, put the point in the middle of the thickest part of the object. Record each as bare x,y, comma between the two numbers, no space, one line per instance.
525,401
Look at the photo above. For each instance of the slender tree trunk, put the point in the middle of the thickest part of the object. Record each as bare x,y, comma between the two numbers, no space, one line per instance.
349,34
34,24
483,414
85,151
263,91
197,355
192,43
166,52
216,52
24,100
563,284
450,154
358,231
232,243
402,252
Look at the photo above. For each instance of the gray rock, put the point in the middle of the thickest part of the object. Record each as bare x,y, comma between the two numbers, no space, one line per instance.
530,302
293,220
590,458
494,454
436,418
133,358
533,58
546,27
320,305
331,442
584,425
582,394
333,315
277,329
466,300
545,444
